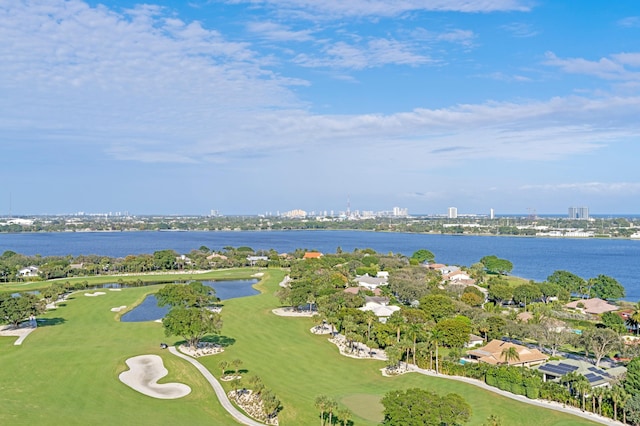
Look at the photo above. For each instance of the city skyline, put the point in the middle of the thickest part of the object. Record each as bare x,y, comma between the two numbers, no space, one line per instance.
249,106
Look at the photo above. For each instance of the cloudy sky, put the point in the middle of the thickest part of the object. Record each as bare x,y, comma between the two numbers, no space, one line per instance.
257,106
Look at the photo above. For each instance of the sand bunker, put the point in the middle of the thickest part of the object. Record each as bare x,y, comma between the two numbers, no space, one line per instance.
290,312
97,293
118,308
143,375
115,289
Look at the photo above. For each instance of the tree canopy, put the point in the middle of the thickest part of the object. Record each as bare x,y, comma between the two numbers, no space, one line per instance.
15,309
423,255
606,287
418,407
493,264
192,324
194,294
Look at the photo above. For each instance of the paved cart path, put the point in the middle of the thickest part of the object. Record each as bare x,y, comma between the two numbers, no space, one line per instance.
217,387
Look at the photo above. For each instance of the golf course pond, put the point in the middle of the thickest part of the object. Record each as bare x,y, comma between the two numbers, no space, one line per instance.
149,310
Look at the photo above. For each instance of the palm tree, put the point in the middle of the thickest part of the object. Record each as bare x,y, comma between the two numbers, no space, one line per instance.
236,365
436,337
510,354
617,394
321,404
223,366
582,387
332,405
634,318
344,414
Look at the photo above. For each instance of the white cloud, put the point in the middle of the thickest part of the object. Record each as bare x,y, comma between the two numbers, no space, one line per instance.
592,188
500,76
613,68
278,32
520,29
372,54
457,36
630,22
145,86
388,8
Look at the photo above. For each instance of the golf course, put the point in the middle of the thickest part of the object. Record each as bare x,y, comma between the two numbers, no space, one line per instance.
66,371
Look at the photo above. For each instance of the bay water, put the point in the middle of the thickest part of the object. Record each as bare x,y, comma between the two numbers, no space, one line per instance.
533,257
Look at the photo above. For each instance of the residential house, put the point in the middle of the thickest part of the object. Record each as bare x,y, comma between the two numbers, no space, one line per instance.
494,353
371,283
597,377
473,341
255,259
379,306
312,255
592,306
29,271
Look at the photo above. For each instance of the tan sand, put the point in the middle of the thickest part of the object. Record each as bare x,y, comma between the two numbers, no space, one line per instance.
143,375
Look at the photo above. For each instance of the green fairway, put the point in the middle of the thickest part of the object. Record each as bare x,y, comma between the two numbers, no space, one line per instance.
66,372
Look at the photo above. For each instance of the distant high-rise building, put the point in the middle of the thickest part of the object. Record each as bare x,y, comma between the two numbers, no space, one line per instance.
400,212
453,213
491,214
580,213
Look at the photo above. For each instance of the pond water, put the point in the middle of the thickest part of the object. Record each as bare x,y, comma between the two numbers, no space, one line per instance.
149,310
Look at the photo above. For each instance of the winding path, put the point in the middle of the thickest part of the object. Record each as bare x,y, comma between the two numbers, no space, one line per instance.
540,403
217,387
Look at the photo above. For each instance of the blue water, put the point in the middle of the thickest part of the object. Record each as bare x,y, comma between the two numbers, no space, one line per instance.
533,258
149,310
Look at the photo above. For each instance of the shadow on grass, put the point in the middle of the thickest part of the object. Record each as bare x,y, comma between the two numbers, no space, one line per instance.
223,341
47,322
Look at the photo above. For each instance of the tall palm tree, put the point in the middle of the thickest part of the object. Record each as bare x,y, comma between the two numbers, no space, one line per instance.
332,406
510,354
582,387
617,394
437,336
321,404
344,414
634,318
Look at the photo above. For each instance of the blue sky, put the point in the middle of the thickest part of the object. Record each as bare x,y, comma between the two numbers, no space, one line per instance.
256,106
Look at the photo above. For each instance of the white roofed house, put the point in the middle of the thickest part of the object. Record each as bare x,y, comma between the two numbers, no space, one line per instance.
380,307
458,277
29,271
253,260
371,283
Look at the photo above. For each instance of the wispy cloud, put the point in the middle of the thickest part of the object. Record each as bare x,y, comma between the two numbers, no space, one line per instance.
520,29
384,8
277,32
501,76
370,54
630,22
600,188
144,86
457,36
616,67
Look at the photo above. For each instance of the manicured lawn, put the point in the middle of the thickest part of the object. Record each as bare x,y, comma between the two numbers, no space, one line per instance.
66,372
227,274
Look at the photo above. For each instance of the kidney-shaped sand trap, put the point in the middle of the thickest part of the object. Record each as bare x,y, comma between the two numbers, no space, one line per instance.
143,375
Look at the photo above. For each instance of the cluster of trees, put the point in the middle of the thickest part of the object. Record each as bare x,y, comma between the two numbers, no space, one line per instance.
15,309
331,413
51,267
191,315
560,285
418,407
